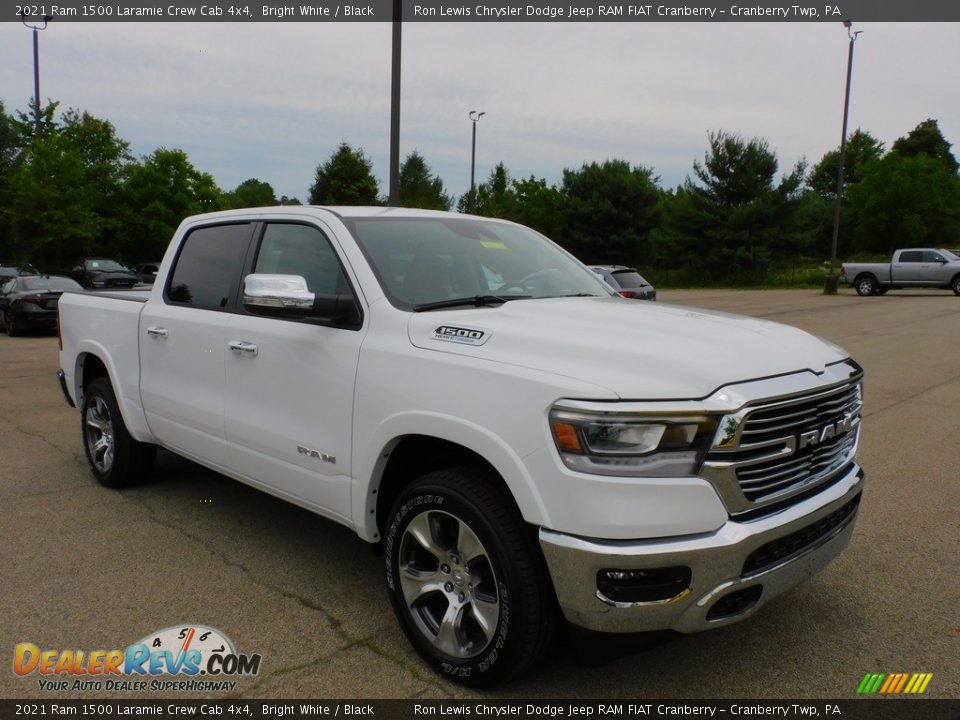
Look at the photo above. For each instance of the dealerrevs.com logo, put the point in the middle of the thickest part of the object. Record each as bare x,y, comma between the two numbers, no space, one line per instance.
180,658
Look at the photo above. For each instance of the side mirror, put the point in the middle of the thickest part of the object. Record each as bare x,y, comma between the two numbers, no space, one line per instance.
288,296
276,292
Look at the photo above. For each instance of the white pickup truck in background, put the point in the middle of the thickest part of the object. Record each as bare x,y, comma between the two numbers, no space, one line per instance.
908,268
525,447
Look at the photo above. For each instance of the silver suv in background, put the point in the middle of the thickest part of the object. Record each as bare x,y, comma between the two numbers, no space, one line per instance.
626,281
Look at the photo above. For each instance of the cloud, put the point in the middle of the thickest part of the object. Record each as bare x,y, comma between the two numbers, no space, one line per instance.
272,100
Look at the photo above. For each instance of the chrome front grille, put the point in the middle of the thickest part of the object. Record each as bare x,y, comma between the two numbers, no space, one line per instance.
765,479
771,451
800,416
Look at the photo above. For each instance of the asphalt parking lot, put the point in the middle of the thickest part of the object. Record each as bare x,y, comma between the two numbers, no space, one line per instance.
83,567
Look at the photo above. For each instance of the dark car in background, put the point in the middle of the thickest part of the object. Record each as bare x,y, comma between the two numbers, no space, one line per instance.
30,303
11,271
146,272
102,273
626,281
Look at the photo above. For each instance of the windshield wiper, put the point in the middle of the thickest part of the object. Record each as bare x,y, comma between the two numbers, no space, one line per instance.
476,301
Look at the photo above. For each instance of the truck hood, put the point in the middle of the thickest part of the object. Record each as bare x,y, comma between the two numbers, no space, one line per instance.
638,350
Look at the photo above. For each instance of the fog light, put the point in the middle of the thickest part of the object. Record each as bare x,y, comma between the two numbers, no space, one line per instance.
735,603
648,585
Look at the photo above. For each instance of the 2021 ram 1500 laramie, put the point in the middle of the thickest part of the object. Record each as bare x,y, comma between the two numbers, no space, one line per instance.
524,446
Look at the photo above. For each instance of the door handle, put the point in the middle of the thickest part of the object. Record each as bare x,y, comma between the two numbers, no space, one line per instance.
242,347
157,331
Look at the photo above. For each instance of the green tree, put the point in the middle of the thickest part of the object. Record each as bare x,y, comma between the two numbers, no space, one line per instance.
494,198
529,201
419,188
345,179
609,210
161,190
926,139
906,201
26,126
862,149
64,188
252,193
9,142
284,200
735,220
540,206
9,150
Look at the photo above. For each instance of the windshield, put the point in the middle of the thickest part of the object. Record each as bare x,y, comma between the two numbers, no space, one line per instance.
420,261
950,255
49,283
105,266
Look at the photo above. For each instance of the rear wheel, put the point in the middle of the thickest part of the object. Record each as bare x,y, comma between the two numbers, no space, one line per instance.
466,579
955,285
116,459
866,285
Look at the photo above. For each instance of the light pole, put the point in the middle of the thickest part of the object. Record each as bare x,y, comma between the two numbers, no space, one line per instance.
474,118
830,285
36,66
394,191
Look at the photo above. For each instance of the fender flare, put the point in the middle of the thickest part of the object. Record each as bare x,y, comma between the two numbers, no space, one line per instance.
130,408
370,461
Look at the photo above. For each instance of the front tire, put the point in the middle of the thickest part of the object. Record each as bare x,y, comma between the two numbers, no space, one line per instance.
866,285
115,458
466,578
955,285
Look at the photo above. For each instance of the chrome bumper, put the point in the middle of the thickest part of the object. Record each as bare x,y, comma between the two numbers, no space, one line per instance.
718,562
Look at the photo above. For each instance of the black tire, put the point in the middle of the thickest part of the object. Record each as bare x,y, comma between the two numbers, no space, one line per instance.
955,285
866,285
115,458
10,325
466,578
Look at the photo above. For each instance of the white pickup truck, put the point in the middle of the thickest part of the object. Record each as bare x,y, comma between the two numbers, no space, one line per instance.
524,446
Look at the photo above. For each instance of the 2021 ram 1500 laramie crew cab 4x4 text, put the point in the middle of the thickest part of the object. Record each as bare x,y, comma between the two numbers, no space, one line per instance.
444,385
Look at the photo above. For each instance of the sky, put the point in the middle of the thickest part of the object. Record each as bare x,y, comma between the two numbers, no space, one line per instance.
273,100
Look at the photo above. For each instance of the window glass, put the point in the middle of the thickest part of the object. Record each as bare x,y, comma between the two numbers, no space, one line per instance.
423,260
209,265
629,279
288,249
932,256
911,256
104,265
50,283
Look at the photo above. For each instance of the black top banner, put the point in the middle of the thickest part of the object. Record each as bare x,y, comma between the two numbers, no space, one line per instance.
488,709
241,11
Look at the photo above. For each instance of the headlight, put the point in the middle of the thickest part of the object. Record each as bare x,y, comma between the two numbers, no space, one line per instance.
632,445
